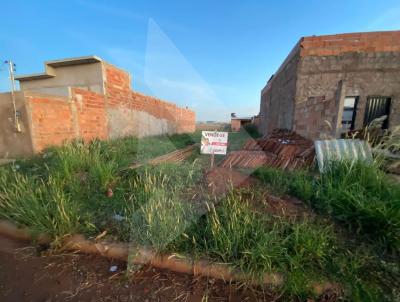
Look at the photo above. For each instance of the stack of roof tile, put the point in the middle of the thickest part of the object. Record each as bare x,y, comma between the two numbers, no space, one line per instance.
282,149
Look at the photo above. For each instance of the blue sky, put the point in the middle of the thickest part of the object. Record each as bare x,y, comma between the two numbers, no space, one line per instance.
213,56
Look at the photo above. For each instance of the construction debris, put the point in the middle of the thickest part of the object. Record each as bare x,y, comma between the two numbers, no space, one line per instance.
283,149
172,157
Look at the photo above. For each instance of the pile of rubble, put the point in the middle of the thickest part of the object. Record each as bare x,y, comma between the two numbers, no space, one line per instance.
283,149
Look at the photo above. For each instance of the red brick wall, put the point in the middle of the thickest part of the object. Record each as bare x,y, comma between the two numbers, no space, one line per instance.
186,120
117,86
91,114
57,119
52,121
118,93
331,45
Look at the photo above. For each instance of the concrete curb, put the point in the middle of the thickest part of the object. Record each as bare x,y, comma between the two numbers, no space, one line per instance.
139,255
10,230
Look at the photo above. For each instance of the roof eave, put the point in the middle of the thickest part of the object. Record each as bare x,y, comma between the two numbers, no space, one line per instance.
50,66
73,61
33,76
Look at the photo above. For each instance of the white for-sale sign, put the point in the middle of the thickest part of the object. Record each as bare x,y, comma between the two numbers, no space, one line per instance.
213,142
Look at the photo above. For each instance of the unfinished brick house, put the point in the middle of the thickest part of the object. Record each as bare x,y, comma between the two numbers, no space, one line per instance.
238,123
84,98
344,80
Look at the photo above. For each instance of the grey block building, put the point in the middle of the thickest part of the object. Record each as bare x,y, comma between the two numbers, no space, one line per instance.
335,83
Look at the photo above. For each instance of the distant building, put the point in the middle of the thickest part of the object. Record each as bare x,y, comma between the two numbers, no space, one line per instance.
238,122
335,83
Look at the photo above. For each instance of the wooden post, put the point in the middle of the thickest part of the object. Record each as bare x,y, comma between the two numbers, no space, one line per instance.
212,159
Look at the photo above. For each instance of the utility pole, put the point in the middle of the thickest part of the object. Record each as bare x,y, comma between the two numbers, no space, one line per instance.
11,70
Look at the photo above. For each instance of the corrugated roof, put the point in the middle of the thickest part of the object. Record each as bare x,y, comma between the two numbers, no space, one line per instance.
342,149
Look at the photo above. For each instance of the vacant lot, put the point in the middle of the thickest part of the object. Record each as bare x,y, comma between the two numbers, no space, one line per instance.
341,228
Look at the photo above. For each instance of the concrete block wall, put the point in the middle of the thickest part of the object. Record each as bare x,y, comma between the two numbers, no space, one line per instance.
324,71
315,117
332,78
277,97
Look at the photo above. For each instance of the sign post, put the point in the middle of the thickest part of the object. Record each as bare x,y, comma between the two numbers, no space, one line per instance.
213,142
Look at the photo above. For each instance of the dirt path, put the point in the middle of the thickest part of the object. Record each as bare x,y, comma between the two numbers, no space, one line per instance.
27,276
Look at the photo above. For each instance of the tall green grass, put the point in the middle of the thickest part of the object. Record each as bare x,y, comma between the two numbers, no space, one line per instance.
297,183
234,233
361,197
159,221
308,251
64,189
40,205
156,214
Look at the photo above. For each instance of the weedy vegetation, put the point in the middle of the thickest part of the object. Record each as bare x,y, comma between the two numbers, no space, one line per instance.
359,196
352,240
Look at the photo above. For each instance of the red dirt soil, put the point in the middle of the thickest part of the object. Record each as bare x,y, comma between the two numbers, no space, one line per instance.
27,276
221,180
286,206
